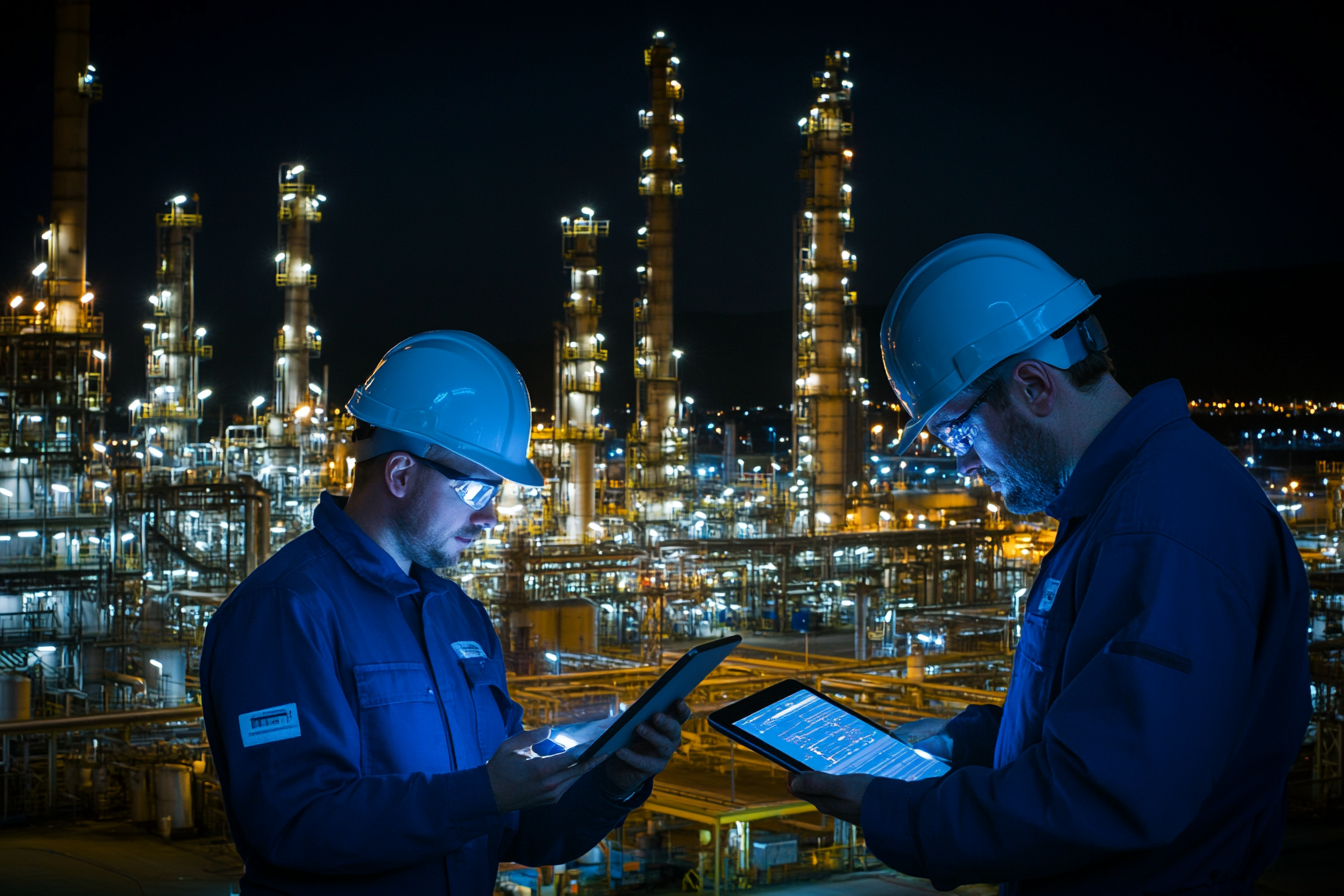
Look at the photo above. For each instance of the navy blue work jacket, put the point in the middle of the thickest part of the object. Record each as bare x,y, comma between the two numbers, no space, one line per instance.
1160,689
351,742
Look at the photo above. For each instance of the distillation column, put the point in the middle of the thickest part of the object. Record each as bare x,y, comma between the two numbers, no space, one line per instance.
580,373
658,392
76,85
828,388
173,406
298,340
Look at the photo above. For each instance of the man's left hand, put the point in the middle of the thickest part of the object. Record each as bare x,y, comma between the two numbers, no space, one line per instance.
648,754
838,795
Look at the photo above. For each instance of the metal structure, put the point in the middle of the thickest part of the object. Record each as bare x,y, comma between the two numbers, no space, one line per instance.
580,355
298,339
656,451
829,387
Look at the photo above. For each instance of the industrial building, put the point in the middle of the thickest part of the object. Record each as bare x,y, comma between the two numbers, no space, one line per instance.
893,588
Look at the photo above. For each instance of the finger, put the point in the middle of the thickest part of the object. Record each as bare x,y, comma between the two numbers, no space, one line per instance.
664,746
668,725
816,784
524,739
648,765
682,712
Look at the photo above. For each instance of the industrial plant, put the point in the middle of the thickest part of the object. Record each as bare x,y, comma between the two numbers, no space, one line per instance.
891,583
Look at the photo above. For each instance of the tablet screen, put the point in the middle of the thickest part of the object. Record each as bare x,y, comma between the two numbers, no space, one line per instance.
824,737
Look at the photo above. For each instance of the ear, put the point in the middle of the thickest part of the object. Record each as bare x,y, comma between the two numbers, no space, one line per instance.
397,474
1035,386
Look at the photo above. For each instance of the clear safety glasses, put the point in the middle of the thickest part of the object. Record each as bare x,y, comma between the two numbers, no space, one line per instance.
475,493
959,434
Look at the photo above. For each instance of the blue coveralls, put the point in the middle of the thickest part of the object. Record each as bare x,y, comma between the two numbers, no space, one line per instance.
351,710
1160,689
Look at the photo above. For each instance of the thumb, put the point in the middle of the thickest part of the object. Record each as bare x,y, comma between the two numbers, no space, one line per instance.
527,738
813,782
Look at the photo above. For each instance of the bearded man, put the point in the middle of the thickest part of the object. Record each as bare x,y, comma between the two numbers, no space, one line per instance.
1160,688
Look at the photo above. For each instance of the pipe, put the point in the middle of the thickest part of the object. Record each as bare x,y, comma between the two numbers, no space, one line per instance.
135,681
102,720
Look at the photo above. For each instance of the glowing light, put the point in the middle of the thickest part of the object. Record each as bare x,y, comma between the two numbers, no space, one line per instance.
40,269
133,406
178,200
100,447
16,301
150,326
315,388
258,401
204,394
587,211
86,298
287,197
992,508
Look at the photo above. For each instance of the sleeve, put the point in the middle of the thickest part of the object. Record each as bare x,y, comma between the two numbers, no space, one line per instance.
548,835
974,732
1172,641
300,800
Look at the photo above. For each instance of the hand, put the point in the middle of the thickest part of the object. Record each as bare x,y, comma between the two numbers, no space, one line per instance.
838,795
656,741
929,734
520,780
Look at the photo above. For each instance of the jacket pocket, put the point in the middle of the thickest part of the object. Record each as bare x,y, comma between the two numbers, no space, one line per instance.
490,702
400,722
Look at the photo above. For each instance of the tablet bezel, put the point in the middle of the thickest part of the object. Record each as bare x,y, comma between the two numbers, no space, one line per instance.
725,722
671,685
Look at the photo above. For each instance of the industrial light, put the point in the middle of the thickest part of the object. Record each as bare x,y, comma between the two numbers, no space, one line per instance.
40,307
45,648
310,329
204,394
40,269
100,447
154,300
86,298
297,169
6,492
100,484
156,664
689,400
587,211
133,406
60,488
154,452
302,413
46,234
824,518
992,508
178,200
280,257
200,332
315,388
258,401
150,326
27,533
677,353
16,301
321,198
287,197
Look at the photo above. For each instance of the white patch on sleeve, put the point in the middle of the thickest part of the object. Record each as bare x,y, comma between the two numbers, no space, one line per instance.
266,725
468,650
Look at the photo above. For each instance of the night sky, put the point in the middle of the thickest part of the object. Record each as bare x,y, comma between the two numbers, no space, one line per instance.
1132,144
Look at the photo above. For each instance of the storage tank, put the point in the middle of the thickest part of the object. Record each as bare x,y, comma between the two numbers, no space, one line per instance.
16,697
568,625
142,803
172,794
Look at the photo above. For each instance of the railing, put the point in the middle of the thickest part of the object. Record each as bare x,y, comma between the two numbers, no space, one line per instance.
27,625
26,324
585,227
585,353
313,342
179,219
580,433
283,279
672,187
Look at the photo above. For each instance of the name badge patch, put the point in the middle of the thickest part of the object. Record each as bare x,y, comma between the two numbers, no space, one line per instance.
1048,595
468,650
266,725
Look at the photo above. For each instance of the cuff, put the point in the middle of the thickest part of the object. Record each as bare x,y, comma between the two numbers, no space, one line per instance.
613,798
475,811
887,818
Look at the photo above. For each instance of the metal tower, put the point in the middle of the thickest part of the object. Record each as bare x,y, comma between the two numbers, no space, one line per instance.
829,387
298,340
579,377
171,411
655,439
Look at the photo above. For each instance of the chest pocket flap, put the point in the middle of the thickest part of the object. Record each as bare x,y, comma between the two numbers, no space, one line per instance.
490,701
381,684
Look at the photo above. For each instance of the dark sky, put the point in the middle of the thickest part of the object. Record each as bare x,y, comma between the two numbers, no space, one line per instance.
1128,142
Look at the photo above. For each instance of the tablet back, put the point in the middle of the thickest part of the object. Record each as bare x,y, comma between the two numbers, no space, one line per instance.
675,684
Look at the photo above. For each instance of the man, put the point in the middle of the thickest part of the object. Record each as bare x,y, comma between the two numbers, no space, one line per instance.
356,703
1160,689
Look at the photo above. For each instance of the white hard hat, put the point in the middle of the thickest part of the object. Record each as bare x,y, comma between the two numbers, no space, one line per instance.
452,389
975,302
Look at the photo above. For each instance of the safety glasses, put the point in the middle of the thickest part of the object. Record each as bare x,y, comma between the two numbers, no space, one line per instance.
959,434
475,493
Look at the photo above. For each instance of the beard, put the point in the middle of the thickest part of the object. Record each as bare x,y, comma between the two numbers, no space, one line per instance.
1035,468
426,542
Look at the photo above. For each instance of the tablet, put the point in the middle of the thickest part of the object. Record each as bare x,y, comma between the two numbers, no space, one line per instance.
674,684
804,730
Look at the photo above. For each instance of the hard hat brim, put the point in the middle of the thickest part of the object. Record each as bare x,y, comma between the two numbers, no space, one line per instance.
911,432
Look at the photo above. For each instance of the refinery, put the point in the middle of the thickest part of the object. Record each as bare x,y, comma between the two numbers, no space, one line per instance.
890,583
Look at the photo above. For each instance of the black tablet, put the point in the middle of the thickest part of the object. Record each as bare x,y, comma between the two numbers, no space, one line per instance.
675,684
804,730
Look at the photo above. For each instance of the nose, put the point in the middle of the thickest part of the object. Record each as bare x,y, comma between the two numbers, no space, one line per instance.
968,464
485,518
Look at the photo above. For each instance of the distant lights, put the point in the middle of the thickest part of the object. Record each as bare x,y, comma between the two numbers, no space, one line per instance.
321,198
297,169
659,35
86,298
40,269
178,199
258,401
587,211
287,197
200,332
150,326
46,234
16,301
315,388
133,406
280,257
204,394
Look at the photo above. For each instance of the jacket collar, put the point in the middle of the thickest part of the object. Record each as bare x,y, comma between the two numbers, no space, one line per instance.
369,561
1153,408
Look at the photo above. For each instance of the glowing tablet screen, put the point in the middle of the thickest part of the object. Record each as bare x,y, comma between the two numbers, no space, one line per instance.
824,737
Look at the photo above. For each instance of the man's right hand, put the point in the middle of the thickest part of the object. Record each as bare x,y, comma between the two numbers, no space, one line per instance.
521,780
929,735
